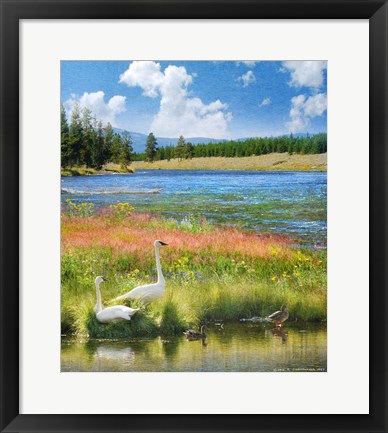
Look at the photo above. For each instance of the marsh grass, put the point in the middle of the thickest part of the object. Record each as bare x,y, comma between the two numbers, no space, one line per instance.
211,273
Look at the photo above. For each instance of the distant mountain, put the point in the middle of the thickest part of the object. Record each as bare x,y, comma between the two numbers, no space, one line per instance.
139,140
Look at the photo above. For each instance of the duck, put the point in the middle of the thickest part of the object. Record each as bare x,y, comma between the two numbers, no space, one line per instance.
111,314
148,292
193,335
278,317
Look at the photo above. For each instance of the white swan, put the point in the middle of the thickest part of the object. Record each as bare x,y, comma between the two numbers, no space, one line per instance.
149,292
111,314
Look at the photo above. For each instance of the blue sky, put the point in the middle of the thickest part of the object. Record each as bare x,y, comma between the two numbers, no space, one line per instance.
201,99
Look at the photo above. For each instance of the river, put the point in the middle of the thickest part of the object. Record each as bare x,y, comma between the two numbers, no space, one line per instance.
254,347
282,202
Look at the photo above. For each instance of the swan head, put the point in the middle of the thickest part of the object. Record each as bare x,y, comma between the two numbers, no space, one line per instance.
158,243
99,280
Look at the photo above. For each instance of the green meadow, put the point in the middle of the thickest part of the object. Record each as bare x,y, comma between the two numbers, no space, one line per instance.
212,273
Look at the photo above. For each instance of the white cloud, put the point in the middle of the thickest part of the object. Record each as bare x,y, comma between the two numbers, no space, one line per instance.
146,75
104,111
249,63
247,78
315,105
303,109
305,73
178,113
264,102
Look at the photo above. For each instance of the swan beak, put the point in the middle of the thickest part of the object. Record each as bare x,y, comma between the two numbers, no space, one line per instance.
104,279
162,243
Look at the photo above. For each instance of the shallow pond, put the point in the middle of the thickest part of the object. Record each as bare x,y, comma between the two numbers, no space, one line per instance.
232,347
289,202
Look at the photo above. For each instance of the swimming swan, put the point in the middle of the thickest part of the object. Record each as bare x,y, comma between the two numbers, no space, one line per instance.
111,314
149,292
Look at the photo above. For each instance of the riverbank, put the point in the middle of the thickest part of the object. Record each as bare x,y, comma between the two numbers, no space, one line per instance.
272,161
212,273
87,171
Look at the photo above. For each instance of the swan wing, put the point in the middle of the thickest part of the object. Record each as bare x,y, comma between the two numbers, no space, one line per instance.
146,293
109,315
113,314
127,310
135,293
152,293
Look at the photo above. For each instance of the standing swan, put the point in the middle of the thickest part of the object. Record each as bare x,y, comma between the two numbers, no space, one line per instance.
111,314
149,292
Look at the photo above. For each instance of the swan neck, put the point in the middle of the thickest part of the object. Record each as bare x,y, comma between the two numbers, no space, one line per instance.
158,266
99,303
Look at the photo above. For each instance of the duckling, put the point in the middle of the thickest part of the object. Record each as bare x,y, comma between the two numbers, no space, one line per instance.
278,317
193,335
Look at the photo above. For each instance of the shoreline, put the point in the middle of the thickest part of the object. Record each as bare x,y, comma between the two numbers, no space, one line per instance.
269,162
107,169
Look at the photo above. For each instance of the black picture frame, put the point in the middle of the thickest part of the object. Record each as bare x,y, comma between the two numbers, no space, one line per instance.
12,11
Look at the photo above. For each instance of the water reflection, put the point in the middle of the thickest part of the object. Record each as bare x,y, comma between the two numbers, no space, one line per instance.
278,332
235,347
171,347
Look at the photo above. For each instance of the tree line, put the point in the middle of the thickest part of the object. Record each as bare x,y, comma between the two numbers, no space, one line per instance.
86,141
231,149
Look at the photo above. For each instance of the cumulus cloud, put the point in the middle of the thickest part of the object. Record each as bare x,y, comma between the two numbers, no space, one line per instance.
305,73
104,111
179,113
146,75
264,102
247,78
303,109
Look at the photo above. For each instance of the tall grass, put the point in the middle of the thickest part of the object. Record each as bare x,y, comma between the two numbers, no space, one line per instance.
211,273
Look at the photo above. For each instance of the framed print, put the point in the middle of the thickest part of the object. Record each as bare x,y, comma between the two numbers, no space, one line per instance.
193,216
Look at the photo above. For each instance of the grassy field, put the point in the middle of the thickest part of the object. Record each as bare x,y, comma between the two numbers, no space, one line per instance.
212,273
272,161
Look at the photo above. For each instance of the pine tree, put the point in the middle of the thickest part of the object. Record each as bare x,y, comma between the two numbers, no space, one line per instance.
180,148
75,137
98,150
89,137
108,139
65,151
151,147
115,149
189,150
126,150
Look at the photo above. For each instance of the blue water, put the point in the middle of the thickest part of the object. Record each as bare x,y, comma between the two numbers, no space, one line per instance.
292,203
